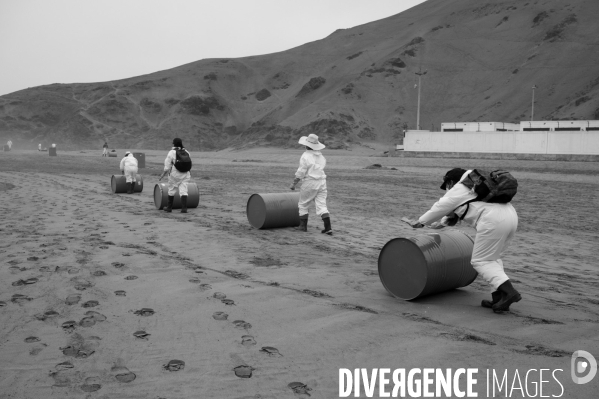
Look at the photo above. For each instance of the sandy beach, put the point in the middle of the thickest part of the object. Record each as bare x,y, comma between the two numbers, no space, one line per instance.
101,292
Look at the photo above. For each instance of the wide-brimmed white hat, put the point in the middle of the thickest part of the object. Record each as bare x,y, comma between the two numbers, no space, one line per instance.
127,153
312,142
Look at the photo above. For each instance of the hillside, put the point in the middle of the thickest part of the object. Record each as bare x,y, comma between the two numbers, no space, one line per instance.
358,84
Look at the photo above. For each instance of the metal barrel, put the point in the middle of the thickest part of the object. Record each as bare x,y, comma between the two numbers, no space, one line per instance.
141,159
118,183
52,151
411,268
112,154
265,211
161,196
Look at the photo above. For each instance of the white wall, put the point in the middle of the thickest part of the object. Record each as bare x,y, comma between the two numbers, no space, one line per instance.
535,142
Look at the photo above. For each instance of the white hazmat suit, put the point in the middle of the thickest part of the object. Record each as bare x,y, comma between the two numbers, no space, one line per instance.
495,226
129,166
176,179
314,182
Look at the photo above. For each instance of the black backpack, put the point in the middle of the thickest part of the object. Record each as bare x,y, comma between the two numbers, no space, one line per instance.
498,186
182,161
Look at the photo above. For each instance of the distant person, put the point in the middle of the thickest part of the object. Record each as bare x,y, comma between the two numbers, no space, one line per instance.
105,152
314,183
495,225
129,169
177,164
39,147
9,144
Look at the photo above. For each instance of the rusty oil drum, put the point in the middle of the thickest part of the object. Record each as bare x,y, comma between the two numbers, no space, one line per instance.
161,196
413,267
265,211
119,184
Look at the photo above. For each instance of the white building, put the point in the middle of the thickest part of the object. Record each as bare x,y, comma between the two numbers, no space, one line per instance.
528,137
478,126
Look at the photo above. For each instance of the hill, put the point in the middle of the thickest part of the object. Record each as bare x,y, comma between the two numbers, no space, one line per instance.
358,84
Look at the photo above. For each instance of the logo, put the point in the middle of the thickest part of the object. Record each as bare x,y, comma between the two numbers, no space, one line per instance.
583,362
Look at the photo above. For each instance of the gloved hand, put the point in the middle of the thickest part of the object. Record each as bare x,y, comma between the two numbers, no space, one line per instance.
295,181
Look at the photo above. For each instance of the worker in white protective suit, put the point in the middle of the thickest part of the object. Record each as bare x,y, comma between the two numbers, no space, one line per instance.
495,225
314,183
177,179
9,144
129,169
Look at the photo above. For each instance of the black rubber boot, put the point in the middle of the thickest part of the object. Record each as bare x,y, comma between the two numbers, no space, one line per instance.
132,187
327,225
129,191
496,295
509,295
184,204
169,206
303,223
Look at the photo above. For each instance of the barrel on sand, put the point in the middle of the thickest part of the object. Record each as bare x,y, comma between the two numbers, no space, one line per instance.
112,154
52,151
266,211
119,184
413,267
161,196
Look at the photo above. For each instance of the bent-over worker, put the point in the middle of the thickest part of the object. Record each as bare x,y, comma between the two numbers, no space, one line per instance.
129,169
495,225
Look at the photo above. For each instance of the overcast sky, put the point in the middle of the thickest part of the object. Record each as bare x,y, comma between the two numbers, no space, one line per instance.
68,41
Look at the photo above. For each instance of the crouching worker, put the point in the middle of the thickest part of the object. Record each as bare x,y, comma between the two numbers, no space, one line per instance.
129,169
314,183
495,224
177,164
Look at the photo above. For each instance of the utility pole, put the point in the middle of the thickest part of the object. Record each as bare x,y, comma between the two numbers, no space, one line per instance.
420,74
532,114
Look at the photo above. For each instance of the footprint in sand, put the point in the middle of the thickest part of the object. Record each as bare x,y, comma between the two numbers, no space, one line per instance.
299,388
130,277
118,265
46,315
73,271
33,258
120,293
90,304
18,298
69,326
247,340
242,324
92,384
270,351
144,312
195,280
122,373
2,304
205,287
32,339
32,280
220,316
174,365
228,302
141,334
64,366
73,299
99,273
243,371
219,295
